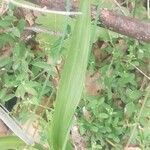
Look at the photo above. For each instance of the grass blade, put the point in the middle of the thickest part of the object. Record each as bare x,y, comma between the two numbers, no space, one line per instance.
11,142
14,142
14,126
72,80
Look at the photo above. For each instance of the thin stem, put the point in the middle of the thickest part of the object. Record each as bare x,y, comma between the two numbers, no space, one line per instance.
37,30
42,10
135,7
148,9
140,71
111,143
138,118
120,7
44,30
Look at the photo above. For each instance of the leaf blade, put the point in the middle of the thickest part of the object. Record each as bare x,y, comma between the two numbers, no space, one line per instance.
72,79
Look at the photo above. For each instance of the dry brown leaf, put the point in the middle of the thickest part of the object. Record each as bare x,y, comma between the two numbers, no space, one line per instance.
3,7
33,129
92,85
29,17
3,129
5,52
45,103
132,148
77,139
98,53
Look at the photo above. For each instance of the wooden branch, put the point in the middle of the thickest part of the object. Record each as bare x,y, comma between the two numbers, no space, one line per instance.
128,26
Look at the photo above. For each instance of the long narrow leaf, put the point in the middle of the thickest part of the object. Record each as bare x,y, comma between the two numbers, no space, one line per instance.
72,80
15,143
11,142
14,126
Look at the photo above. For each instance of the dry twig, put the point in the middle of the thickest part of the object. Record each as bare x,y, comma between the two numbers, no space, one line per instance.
42,10
128,26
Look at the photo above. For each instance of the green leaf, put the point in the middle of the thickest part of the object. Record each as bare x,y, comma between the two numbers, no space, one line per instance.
19,51
72,80
133,94
42,65
103,115
52,21
14,143
21,25
11,142
15,31
104,4
94,129
5,61
8,97
146,112
29,89
5,39
130,108
126,78
104,35
20,92
3,93
6,21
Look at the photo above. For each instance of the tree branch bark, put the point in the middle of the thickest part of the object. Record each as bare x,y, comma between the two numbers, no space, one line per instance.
128,26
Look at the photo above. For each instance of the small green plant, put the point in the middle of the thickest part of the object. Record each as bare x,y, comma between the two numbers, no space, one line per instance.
114,118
